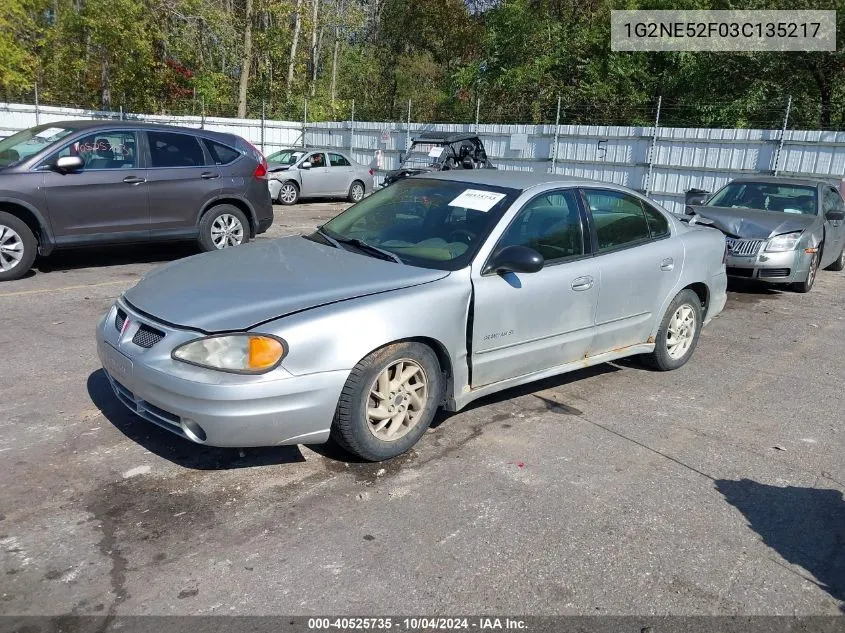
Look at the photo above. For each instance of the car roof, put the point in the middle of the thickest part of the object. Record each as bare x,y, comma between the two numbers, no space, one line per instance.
108,124
520,180
444,137
784,180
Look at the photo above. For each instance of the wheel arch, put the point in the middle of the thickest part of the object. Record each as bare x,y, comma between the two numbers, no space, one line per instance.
33,219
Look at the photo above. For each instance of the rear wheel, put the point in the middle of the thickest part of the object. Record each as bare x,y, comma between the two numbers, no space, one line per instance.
678,334
356,191
18,247
807,285
289,193
388,402
839,264
223,226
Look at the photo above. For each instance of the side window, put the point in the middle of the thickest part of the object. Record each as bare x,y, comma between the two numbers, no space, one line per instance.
221,154
658,225
175,150
619,218
336,160
103,150
317,160
550,224
833,201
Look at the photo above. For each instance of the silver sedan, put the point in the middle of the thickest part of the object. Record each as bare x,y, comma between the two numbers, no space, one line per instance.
431,293
307,173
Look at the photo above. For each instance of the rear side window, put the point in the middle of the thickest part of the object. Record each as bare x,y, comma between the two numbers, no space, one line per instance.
619,218
336,160
175,150
657,222
221,154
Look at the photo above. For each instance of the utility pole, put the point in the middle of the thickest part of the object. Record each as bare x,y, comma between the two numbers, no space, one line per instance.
782,135
557,137
653,146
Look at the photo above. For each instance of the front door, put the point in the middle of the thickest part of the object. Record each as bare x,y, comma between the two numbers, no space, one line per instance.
834,229
315,181
523,323
638,265
107,198
182,180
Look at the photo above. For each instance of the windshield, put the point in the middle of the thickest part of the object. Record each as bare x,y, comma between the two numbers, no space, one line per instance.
767,196
286,156
423,155
430,223
22,145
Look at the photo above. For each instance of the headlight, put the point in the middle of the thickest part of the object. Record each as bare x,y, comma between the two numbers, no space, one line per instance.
785,242
239,353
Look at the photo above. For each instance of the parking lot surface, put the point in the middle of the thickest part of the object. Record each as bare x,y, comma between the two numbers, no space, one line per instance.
714,489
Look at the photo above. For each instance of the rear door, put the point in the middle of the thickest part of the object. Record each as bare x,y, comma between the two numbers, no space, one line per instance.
182,179
639,266
107,198
340,173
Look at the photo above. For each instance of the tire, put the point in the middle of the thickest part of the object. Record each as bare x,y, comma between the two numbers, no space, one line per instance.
805,286
685,304
222,227
356,191
356,422
289,193
839,264
18,247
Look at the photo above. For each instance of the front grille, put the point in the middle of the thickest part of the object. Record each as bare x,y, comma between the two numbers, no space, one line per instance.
119,320
743,248
733,271
147,336
774,272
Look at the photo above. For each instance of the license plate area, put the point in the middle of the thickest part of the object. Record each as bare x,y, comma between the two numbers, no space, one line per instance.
118,365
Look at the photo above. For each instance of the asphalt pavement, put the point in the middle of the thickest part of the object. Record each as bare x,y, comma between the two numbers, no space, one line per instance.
714,489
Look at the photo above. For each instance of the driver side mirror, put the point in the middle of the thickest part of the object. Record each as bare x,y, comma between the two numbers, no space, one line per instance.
834,215
68,164
514,259
696,197
305,165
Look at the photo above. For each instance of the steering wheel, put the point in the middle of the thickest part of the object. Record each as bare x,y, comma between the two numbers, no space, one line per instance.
462,235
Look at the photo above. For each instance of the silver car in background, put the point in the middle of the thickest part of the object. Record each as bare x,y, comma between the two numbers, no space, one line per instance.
779,230
325,173
433,292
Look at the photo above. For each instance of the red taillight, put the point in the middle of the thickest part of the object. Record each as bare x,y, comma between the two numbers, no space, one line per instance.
261,170
371,172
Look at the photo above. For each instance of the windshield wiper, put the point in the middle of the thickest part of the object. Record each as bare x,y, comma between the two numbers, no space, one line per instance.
360,244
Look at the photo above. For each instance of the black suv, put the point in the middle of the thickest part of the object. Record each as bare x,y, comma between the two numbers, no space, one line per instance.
439,151
81,183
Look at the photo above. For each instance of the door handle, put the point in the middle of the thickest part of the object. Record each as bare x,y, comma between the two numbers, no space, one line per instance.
582,283
134,180
208,175
667,264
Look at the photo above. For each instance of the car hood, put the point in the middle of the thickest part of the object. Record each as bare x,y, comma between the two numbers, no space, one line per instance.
754,224
238,288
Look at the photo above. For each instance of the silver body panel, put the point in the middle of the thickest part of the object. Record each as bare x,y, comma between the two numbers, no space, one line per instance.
333,308
323,181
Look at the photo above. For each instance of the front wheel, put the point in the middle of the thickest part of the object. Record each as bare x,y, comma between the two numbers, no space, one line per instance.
17,247
388,402
222,227
807,285
289,193
678,334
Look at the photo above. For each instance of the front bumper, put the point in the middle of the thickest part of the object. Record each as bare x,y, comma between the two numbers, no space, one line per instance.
784,268
210,407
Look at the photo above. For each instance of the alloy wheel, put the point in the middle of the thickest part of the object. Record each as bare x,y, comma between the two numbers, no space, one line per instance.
397,400
288,193
357,192
227,230
681,332
11,248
